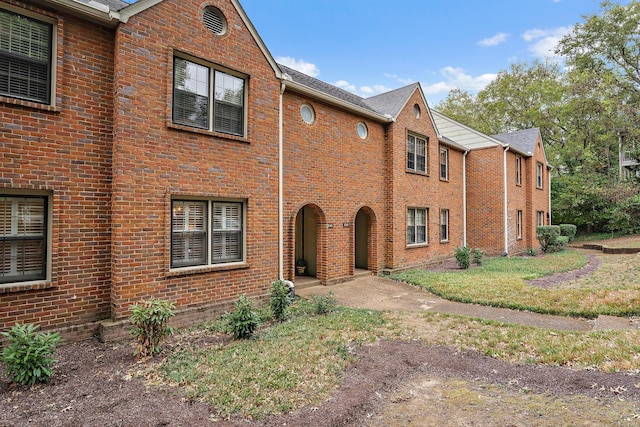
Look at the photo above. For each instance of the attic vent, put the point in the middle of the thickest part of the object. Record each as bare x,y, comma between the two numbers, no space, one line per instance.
214,20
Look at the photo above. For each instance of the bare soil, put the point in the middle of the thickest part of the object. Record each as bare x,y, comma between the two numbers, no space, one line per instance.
389,383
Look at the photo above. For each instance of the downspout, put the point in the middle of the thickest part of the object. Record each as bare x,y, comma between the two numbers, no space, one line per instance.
506,210
549,194
280,190
464,198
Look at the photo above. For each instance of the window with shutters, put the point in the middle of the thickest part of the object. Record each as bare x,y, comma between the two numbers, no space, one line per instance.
208,98
25,57
416,154
23,238
206,232
417,226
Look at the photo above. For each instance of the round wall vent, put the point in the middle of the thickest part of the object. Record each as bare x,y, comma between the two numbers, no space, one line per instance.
214,20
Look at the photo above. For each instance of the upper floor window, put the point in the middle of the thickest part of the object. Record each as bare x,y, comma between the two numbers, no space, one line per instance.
518,170
208,98
444,163
206,232
416,226
25,57
539,169
23,234
416,154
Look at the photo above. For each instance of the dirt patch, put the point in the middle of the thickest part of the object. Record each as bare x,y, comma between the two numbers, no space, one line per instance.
593,263
93,387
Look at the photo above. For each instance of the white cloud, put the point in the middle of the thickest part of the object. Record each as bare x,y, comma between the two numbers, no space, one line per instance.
455,77
343,84
404,81
495,40
542,43
299,65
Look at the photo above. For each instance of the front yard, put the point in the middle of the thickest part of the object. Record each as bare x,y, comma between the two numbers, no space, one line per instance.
364,367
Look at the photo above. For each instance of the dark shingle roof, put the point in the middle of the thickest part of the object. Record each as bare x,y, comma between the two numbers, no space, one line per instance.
392,102
325,88
524,140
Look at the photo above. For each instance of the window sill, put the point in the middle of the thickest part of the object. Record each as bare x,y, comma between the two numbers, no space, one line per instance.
36,285
206,132
30,104
415,172
417,245
444,179
444,242
186,271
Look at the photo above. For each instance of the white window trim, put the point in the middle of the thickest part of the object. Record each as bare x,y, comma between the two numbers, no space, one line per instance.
415,153
415,226
446,213
446,163
519,224
518,169
539,176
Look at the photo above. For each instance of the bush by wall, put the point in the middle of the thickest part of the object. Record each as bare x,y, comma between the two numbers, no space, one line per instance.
547,236
28,358
568,230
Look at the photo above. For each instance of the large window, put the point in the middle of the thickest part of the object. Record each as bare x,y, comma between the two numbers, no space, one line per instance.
416,154
444,225
518,170
207,98
444,163
416,226
25,57
23,233
205,232
539,170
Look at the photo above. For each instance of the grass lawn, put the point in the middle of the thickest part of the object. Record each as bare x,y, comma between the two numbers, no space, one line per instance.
500,282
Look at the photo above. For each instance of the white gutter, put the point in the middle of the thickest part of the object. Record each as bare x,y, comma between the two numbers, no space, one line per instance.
280,190
464,199
95,10
506,210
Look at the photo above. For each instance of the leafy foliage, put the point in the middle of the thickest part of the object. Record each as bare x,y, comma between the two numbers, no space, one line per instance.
324,304
28,357
280,300
463,256
477,256
548,236
568,230
243,321
150,325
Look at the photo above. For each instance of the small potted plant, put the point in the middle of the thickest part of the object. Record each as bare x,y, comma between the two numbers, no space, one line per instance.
301,266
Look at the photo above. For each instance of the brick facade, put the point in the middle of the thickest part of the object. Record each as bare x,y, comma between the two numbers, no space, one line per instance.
111,162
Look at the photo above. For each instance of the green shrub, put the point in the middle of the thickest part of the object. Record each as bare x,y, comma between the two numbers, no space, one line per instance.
150,325
243,321
547,236
568,230
463,256
280,300
324,304
477,256
531,252
560,243
28,357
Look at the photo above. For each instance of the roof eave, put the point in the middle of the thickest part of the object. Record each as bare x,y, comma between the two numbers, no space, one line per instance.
95,12
306,90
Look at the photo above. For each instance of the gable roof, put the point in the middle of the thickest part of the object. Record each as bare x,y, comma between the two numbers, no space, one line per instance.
524,140
392,102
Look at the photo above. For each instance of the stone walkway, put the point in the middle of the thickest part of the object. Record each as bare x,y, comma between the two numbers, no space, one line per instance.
378,293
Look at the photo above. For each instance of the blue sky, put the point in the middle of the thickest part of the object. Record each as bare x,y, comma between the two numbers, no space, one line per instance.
372,46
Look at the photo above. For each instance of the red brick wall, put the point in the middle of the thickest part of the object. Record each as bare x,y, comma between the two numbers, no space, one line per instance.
65,151
328,166
517,200
416,190
485,209
155,160
539,197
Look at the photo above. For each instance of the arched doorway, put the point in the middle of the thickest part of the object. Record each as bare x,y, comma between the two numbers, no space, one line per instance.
306,240
362,225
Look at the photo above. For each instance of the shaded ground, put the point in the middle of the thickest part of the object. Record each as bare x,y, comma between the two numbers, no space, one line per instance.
390,383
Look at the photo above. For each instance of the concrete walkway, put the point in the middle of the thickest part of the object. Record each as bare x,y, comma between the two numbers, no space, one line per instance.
385,294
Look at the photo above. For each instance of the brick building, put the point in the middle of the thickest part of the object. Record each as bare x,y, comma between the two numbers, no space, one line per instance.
157,149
